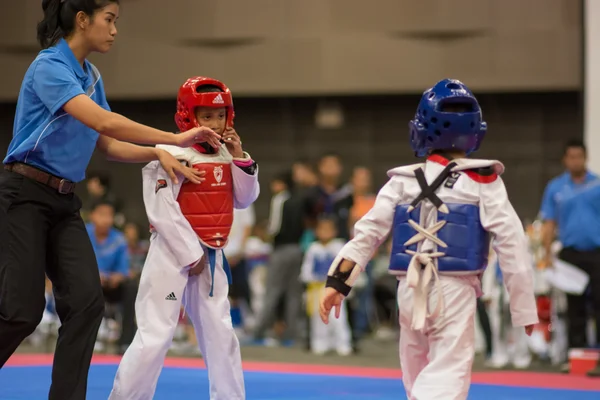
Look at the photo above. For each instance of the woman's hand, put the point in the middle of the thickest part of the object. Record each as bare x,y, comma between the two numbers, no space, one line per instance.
198,135
172,167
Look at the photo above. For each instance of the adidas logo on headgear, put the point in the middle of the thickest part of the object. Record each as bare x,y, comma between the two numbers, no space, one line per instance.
218,99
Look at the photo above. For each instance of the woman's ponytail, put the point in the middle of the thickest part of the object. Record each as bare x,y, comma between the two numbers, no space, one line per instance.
59,18
49,29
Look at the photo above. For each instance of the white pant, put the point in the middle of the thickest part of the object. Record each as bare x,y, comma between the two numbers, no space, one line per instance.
163,286
335,335
256,281
436,363
503,332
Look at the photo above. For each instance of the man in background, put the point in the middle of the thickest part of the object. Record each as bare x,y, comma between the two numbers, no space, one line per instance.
571,207
330,196
287,223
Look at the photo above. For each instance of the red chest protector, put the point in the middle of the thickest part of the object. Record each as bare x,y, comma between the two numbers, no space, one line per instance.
208,206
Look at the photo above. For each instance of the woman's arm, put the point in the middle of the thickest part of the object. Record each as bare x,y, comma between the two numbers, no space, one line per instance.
116,126
59,88
116,150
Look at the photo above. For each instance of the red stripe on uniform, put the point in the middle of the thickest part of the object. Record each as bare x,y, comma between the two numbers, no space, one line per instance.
436,158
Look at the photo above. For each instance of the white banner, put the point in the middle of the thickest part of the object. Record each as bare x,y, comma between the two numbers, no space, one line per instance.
591,133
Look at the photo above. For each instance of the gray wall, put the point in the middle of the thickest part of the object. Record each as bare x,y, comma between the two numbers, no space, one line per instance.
322,47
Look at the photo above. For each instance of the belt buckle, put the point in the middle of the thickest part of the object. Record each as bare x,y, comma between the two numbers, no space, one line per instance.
61,186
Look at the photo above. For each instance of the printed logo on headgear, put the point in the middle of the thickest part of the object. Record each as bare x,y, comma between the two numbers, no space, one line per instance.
161,183
218,99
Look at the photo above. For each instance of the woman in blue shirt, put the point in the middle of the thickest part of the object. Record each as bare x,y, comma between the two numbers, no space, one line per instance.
62,116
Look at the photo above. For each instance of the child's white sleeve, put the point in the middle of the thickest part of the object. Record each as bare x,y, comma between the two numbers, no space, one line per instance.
306,272
499,217
165,216
245,185
372,229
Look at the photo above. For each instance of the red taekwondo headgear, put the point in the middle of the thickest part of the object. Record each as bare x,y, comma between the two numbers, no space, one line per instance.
190,97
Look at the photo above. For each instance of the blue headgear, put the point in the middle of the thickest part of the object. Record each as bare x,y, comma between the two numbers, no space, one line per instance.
436,129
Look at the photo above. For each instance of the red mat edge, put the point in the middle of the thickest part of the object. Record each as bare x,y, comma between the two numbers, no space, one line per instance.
501,378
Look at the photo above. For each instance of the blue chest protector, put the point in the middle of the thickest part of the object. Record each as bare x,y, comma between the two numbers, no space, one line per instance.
467,240
468,243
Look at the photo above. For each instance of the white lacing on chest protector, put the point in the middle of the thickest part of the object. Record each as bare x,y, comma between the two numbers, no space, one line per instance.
426,261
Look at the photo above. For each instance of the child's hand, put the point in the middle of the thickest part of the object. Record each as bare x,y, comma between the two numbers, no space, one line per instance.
529,330
233,143
198,267
172,167
331,298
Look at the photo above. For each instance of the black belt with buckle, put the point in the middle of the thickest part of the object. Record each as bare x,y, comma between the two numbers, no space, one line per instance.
63,186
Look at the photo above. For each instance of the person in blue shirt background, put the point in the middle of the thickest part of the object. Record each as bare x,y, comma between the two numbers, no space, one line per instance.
62,115
571,208
112,254
110,247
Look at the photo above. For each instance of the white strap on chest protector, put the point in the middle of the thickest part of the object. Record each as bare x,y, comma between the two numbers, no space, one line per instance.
425,261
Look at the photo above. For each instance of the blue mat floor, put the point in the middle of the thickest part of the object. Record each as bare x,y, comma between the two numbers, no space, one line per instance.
32,383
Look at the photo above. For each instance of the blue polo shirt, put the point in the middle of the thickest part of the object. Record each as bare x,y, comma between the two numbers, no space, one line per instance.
112,254
44,135
575,207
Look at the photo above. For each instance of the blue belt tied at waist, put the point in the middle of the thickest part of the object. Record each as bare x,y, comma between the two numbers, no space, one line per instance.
212,262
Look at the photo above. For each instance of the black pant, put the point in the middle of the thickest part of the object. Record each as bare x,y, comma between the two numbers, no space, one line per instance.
240,288
130,290
41,232
484,323
577,314
385,296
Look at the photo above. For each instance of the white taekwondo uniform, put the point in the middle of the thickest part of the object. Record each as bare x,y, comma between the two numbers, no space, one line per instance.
188,220
442,216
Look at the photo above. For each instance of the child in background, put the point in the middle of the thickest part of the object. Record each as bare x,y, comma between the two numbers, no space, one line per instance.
318,258
257,252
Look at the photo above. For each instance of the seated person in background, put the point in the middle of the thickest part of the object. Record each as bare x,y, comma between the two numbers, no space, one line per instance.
138,251
98,188
112,254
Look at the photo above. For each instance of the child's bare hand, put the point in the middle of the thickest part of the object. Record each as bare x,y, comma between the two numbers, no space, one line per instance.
331,298
198,267
529,330
233,143
173,167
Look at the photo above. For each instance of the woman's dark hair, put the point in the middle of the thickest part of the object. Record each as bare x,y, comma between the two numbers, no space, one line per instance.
59,18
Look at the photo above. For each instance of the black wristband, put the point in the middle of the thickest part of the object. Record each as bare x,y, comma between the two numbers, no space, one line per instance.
250,169
338,285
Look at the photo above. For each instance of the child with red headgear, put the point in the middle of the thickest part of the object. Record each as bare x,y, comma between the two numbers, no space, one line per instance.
190,224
